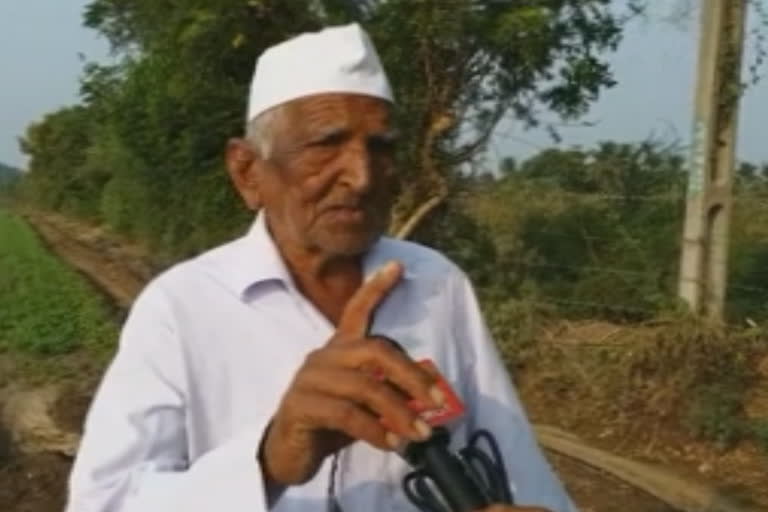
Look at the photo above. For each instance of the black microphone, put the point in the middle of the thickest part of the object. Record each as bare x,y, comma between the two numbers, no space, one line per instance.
458,477
450,474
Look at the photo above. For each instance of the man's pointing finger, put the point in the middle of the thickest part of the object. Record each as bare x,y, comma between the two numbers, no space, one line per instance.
359,311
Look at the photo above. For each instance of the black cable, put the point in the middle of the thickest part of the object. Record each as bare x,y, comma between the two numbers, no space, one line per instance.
494,464
486,471
419,493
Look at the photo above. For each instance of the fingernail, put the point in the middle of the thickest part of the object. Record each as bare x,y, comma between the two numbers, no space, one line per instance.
393,440
387,268
377,273
422,428
437,395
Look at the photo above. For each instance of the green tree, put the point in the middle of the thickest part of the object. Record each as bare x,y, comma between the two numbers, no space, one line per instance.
165,111
57,149
9,181
154,125
458,68
591,232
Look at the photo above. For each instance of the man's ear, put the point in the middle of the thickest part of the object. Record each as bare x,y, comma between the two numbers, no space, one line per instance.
244,167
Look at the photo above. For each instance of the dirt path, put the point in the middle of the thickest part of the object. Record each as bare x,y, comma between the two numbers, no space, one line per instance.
121,271
595,491
118,269
35,452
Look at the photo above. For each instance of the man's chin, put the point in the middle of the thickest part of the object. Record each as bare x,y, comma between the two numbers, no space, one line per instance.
349,243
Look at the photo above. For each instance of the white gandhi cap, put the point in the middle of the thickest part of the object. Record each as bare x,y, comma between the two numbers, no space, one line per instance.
339,59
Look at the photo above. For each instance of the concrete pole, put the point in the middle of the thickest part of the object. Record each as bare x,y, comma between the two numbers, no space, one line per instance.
703,264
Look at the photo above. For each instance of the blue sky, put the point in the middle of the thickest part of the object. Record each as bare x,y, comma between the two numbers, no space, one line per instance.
655,66
39,45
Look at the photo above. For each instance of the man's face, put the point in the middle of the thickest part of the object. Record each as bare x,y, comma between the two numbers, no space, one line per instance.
327,184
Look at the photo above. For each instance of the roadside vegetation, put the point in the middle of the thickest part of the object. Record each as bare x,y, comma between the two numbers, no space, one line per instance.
46,308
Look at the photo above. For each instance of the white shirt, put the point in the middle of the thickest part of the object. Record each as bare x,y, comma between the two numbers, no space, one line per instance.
211,345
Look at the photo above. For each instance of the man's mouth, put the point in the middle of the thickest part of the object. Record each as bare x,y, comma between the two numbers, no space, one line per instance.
347,213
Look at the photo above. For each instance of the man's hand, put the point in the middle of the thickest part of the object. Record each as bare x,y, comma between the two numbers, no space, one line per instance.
334,397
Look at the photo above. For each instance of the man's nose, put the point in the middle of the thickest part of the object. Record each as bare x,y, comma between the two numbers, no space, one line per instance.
357,172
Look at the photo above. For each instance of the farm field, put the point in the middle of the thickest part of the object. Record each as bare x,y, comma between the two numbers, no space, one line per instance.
59,376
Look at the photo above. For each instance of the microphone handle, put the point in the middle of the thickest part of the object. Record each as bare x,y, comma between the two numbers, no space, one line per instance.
449,474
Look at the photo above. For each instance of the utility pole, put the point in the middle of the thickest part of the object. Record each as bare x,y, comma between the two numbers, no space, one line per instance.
703,263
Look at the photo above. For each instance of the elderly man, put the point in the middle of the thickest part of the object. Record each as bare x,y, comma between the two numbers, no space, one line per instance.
243,377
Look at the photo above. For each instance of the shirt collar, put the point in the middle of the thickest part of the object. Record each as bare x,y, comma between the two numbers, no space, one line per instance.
259,259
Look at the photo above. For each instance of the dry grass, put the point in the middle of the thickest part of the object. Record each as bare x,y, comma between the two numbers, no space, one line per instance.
674,392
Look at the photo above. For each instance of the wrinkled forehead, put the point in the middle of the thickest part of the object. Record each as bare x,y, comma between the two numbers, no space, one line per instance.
341,112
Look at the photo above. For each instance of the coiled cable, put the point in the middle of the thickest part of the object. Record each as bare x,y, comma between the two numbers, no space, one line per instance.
485,470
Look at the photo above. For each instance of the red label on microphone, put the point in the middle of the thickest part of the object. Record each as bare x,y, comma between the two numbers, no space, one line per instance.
451,409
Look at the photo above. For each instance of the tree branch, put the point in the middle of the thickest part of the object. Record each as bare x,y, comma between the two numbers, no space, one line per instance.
467,151
415,219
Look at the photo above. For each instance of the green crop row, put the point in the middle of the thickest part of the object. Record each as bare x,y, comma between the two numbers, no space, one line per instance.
46,307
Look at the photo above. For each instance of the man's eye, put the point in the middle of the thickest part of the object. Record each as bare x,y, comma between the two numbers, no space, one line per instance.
330,140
